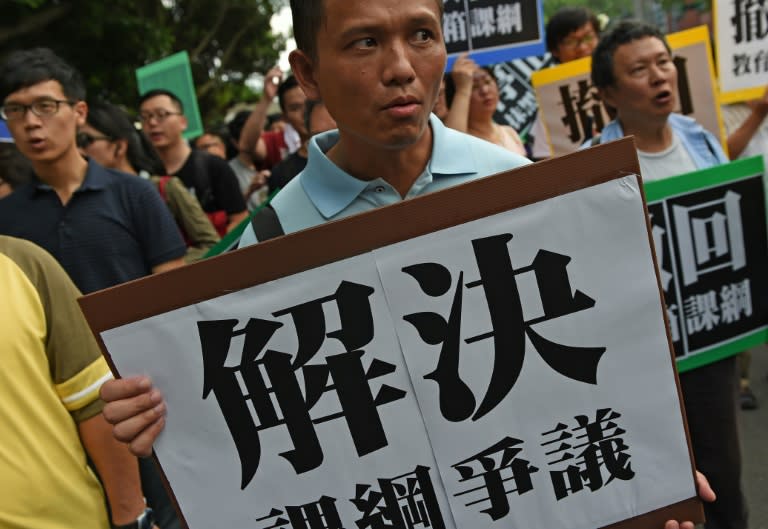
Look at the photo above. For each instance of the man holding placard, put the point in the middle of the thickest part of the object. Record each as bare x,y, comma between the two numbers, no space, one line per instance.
633,69
377,67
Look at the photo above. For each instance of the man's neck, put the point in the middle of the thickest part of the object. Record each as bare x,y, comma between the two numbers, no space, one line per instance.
399,167
174,156
650,135
65,175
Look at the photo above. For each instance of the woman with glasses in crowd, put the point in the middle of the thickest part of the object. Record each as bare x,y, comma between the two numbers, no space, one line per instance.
110,138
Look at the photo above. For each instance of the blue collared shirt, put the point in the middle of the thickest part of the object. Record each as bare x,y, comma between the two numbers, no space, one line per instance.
114,228
701,145
323,192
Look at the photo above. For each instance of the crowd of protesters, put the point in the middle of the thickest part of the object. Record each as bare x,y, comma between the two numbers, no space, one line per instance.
88,200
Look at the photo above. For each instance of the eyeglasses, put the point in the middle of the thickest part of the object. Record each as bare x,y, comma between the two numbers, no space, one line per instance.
84,140
574,42
159,115
43,109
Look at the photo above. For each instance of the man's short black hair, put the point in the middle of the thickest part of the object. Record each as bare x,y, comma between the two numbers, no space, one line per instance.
162,92
307,17
565,21
626,32
287,84
25,68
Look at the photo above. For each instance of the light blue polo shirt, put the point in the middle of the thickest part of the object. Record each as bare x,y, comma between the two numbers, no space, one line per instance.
323,192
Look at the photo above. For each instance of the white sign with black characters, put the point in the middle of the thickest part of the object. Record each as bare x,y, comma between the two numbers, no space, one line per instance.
532,349
497,372
493,30
742,47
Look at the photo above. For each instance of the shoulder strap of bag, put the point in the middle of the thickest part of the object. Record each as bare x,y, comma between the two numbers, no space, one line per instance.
161,185
266,225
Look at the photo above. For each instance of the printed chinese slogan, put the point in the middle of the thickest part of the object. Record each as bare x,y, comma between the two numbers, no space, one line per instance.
489,374
517,101
493,30
573,113
741,30
709,231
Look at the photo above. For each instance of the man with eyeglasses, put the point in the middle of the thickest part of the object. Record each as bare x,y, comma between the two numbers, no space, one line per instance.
104,227
209,177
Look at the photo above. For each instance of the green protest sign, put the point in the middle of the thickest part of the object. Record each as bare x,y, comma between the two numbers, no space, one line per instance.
175,74
709,231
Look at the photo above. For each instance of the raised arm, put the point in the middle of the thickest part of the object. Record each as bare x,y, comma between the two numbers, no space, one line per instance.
250,137
462,75
738,140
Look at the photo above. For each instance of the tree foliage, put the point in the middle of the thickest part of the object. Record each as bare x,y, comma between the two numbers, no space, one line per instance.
227,41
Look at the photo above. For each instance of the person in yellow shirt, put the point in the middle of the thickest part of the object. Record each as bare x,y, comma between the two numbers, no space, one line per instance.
51,412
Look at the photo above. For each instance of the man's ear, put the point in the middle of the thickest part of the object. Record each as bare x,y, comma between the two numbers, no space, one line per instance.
81,112
184,122
121,148
303,68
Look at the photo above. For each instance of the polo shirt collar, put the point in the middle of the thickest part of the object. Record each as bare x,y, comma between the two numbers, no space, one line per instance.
331,189
94,179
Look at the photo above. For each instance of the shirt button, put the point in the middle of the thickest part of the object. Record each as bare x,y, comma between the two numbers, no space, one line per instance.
379,189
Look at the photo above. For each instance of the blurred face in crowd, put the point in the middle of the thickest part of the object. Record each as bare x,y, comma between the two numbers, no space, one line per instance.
578,44
212,144
645,85
98,147
485,94
378,69
162,121
294,101
48,137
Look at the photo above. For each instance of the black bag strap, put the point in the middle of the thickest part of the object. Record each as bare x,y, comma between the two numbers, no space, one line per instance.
266,225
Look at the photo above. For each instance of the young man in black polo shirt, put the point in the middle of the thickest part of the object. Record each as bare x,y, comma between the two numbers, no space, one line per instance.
104,227
210,177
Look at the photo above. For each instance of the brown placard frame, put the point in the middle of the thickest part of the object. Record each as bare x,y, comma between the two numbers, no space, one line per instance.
344,238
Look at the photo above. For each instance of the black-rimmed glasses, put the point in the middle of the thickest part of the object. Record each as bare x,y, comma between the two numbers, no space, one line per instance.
43,109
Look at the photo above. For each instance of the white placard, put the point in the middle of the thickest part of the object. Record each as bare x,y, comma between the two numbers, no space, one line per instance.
742,47
312,401
197,449
581,246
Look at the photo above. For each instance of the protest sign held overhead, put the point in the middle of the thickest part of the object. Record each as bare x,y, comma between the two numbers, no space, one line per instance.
741,36
379,370
493,31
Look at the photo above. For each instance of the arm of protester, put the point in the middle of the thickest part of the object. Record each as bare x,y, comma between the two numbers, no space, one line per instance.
705,493
462,75
117,468
250,137
136,412
738,140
